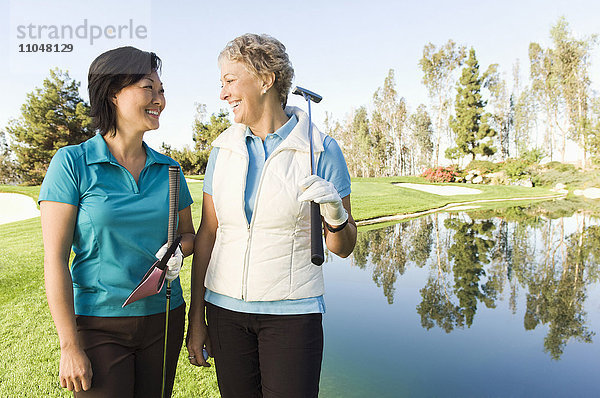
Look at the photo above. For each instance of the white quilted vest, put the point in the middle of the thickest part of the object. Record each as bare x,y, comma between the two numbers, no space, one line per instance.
270,258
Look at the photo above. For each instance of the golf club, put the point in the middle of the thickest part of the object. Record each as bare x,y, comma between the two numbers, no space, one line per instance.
153,280
171,237
316,229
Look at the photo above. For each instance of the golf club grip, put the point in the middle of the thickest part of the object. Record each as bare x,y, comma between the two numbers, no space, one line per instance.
316,234
173,202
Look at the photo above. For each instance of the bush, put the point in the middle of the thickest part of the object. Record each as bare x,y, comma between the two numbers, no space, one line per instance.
533,156
440,174
554,172
561,167
483,166
515,168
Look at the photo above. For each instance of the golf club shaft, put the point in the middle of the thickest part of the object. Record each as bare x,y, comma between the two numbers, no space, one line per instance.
172,233
164,367
173,202
316,225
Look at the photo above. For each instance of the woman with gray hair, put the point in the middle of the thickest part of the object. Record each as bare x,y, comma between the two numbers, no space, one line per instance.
257,300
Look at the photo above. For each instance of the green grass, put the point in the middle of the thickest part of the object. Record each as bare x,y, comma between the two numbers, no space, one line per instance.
378,197
199,177
371,197
31,191
29,344
30,351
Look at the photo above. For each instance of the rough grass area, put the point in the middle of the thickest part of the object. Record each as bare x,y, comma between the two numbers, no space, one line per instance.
552,173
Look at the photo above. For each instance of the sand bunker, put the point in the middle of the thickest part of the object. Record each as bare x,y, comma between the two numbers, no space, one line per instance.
444,190
16,207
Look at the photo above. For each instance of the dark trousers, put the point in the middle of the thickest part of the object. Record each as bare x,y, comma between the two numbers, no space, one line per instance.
266,355
127,353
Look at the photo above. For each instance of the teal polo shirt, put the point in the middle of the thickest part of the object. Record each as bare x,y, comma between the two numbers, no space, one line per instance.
120,225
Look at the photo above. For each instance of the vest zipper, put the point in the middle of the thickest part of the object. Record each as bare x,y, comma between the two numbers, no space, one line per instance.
245,269
250,226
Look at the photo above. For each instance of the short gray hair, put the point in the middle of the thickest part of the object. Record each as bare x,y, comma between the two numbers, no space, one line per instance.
261,55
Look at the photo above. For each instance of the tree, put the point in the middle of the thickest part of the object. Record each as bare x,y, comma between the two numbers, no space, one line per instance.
571,59
389,118
471,127
204,133
594,132
370,153
422,129
502,108
343,134
8,167
523,114
438,66
189,160
193,161
544,85
52,117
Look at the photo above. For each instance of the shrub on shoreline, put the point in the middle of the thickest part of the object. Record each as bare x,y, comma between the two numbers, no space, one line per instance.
440,174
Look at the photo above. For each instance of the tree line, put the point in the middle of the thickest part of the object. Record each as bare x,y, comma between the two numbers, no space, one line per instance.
471,113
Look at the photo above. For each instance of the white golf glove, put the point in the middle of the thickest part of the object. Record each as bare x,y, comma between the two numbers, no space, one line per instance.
174,263
324,193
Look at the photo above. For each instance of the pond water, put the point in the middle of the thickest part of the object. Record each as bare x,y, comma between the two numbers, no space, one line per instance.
489,303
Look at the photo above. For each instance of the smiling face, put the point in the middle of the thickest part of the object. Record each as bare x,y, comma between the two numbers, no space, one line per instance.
139,105
243,91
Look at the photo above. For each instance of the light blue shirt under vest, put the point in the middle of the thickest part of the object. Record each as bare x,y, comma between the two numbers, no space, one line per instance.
331,166
120,225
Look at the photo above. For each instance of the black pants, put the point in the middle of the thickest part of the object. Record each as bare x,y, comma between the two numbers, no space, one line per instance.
127,353
266,355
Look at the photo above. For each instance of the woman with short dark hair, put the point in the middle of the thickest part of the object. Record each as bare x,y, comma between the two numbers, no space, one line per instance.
252,269
107,199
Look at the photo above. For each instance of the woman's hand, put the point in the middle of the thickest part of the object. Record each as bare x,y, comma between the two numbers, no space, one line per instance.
196,340
75,372
197,335
173,264
335,211
323,192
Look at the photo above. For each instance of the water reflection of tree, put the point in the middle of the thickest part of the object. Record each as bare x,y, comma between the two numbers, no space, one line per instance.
471,249
473,258
385,249
421,241
436,306
557,292
389,249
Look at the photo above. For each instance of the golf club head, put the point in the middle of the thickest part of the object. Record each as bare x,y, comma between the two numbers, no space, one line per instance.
151,284
153,280
307,94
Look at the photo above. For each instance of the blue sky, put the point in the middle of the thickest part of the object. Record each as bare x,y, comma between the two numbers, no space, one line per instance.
339,49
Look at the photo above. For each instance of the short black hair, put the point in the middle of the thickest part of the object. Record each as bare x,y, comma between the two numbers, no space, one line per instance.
109,73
